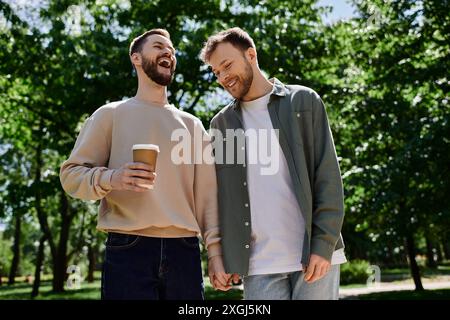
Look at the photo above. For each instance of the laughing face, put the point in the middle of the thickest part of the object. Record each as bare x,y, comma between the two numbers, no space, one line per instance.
158,59
232,69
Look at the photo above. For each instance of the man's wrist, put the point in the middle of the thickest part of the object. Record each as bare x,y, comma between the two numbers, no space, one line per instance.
105,179
112,179
215,256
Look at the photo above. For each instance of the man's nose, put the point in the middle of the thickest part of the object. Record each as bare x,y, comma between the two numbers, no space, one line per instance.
167,52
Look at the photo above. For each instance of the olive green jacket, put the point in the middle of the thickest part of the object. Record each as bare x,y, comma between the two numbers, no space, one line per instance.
307,144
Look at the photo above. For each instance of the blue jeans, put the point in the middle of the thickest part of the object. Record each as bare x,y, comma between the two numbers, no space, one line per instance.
292,286
146,268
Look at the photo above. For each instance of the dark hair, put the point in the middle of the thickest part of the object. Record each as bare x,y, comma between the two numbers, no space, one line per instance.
236,36
138,42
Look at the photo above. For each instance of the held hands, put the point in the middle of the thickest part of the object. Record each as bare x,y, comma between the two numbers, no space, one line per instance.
317,268
131,175
220,280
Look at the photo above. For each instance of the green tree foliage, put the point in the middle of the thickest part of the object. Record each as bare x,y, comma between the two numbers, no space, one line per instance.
393,102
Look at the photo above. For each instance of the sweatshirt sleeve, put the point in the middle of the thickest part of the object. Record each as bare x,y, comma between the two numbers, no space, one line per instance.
205,193
84,174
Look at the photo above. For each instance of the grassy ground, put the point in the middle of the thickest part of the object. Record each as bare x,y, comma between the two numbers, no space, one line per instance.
426,272
22,291
91,291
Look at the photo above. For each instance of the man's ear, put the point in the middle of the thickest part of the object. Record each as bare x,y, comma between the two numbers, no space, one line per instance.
251,55
136,59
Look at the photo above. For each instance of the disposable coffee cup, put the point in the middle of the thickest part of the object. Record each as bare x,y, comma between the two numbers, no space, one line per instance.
146,153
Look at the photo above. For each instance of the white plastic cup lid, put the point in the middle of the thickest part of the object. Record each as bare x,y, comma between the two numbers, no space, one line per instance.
146,146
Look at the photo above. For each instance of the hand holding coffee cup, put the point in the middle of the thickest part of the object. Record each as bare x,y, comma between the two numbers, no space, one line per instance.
139,175
132,175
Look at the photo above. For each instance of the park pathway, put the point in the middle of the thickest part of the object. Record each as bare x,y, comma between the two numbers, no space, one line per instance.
384,287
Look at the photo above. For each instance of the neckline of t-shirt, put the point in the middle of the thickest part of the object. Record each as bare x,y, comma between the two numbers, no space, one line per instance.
153,105
258,103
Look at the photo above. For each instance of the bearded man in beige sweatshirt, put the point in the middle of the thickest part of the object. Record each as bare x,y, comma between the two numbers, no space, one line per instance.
152,250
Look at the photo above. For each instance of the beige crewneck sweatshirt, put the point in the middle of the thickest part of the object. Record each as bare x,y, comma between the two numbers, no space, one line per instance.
183,202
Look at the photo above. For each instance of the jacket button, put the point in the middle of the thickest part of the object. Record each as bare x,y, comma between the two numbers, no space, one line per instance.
246,205
245,183
298,115
246,223
247,246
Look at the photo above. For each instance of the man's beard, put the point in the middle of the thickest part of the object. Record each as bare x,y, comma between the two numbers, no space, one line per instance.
151,70
246,83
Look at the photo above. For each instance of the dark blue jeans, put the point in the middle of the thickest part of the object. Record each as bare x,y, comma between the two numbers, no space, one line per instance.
145,268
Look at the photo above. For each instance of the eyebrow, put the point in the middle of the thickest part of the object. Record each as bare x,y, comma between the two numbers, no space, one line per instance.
163,44
223,61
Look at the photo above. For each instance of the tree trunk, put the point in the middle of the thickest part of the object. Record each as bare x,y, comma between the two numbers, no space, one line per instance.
446,247
39,263
81,241
16,250
60,263
440,255
59,254
415,272
42,218
58,280
431,263
92,260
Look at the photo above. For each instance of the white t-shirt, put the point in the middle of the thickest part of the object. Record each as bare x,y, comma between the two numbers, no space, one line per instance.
278,226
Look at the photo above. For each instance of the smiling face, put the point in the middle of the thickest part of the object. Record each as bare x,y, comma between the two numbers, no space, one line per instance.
232,68
157,59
